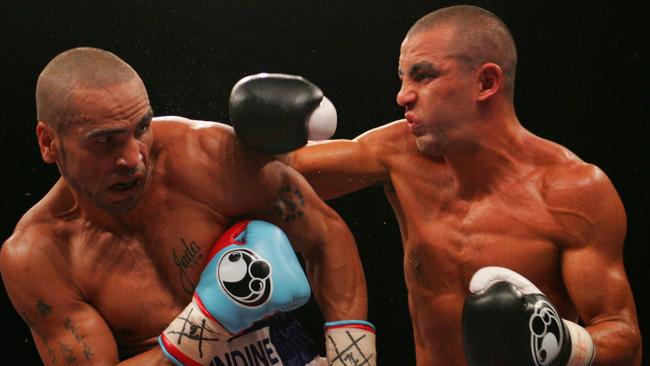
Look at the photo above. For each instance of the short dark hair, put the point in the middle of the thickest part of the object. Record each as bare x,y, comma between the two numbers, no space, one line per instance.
82,67
479,37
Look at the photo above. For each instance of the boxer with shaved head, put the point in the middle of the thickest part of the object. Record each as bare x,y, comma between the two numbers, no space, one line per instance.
166,240
473,189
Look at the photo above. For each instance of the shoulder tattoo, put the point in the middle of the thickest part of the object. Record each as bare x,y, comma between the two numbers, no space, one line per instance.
289,204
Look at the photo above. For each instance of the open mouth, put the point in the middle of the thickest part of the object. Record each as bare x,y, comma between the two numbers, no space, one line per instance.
125,186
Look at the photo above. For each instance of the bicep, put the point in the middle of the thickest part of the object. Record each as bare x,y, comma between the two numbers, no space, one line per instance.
598,285
337,167
65,328
76,335
593,219
592,263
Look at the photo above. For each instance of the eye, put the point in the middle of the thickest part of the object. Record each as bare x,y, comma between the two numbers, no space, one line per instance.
422,76
104,140
142,129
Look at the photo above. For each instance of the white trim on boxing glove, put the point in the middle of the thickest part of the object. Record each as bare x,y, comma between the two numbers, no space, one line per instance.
350,342
487,276
583,351
321,124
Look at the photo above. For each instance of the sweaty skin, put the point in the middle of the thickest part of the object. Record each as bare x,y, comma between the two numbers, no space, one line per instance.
470,187
98,275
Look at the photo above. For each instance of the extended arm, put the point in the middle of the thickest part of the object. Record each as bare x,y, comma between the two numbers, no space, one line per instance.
276,114
337,167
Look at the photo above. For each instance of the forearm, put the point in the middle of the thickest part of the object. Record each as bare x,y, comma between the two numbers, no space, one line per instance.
616,343
337,167
336,275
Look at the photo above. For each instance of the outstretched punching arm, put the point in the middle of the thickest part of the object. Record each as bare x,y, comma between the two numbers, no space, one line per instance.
277,114
338,167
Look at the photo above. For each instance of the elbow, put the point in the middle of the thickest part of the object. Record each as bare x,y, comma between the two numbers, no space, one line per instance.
636,347
619,347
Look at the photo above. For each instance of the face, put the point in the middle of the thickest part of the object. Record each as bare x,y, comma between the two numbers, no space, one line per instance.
103,149
437,93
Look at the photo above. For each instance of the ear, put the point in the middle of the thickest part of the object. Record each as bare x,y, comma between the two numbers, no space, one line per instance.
47,142
490,77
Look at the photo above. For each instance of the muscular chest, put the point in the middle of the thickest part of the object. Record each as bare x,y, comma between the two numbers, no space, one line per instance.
140,281
448,237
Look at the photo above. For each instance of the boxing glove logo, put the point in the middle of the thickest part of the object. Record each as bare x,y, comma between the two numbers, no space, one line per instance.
546,333
245,277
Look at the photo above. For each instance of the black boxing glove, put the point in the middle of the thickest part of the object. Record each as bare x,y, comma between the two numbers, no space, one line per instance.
509,321
278,113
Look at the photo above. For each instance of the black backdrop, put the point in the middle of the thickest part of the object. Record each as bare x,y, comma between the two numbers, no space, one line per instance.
582,81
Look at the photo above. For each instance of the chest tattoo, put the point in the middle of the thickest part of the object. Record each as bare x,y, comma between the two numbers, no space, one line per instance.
187,257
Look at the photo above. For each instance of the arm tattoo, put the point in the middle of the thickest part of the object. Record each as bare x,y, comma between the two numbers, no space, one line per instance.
30,324
67,323
88,353
44,309
70,326
68,354
289,204
50,352
189,258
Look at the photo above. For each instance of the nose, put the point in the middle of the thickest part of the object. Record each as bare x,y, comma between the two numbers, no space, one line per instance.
406,95
131,155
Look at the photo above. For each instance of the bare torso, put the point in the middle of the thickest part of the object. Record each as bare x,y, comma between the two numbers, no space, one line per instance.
140,279
100,286
140,282
447,238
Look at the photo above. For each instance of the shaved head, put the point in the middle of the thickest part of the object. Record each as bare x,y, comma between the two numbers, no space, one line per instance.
479,37
73,70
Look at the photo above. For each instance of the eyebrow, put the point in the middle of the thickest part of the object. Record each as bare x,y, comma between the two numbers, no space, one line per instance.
114,131
146,118
105,132
422,66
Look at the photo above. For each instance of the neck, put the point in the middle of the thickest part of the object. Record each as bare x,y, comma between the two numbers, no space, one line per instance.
491,159
115,222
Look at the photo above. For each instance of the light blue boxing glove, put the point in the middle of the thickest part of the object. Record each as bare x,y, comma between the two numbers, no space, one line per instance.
252,272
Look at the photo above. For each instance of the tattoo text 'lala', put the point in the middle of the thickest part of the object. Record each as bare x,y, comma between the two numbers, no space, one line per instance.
189,258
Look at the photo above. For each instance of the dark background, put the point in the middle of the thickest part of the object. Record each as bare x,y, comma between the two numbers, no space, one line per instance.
582,81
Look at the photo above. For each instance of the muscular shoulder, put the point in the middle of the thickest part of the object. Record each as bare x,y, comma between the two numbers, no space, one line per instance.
32,263
205,160
181,134
389,139
185,147
26,246
584,202
40,231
